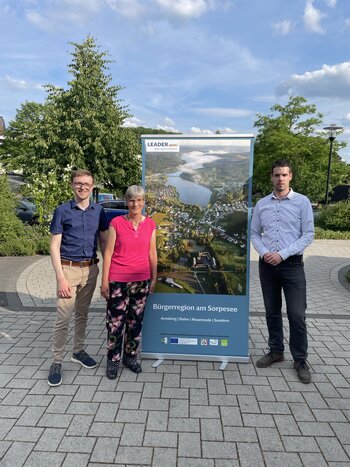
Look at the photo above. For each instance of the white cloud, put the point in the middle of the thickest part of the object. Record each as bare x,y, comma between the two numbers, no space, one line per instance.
199,131
60,12
312,18
159,10
88,5
329,81
132,122
51,15
168,121
225,112
184,9
128,8
283,27
347,117
170,129
39,20
15,83
167,125
331,3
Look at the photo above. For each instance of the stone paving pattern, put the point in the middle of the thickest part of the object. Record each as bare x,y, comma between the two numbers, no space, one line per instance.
183,413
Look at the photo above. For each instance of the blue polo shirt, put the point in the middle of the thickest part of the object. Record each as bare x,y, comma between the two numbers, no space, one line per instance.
79,229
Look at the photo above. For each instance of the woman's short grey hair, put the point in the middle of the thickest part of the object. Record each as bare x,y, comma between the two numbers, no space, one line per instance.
135,191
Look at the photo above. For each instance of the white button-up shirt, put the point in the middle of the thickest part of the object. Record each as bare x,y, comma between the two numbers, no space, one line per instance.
283,225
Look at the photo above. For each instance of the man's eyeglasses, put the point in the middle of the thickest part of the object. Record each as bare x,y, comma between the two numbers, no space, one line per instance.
83,185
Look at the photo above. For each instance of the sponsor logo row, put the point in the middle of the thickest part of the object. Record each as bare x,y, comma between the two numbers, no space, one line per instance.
194,341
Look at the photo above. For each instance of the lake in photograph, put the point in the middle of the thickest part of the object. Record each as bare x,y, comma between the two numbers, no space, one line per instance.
189,192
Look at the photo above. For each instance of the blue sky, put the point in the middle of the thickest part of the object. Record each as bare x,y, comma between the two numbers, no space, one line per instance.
194,66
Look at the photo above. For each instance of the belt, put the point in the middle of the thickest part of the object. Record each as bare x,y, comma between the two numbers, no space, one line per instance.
290,259
295,259
80,264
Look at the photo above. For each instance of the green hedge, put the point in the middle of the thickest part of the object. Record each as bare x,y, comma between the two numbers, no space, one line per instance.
335,217
17,239
324,234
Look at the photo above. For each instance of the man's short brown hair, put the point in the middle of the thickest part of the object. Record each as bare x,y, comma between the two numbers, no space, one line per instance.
81,173
282,163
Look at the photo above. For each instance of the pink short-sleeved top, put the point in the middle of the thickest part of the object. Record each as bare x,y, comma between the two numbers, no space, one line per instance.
130,259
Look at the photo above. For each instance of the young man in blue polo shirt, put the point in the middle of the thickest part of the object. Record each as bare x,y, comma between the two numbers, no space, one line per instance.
75,229
282,227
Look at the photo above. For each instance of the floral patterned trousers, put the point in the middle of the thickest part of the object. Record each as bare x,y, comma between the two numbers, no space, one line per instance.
124,316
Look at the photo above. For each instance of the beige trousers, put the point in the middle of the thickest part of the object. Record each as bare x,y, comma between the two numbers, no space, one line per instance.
83,283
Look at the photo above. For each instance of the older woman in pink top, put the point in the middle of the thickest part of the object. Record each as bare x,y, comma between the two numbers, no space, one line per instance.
129,274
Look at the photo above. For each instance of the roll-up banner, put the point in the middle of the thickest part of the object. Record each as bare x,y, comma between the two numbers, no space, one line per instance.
198,191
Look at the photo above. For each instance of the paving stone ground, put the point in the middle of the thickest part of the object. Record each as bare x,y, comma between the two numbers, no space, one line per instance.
182,413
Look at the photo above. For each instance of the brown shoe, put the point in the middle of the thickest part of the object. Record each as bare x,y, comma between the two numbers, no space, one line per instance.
270,358
303,372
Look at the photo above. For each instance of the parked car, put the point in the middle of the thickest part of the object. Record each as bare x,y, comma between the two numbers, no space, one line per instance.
26,211
105,197
114,208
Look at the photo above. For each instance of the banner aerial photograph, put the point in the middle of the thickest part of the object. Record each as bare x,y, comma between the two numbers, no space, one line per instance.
197,193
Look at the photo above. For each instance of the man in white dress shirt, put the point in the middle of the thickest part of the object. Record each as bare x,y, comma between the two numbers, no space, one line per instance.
282,227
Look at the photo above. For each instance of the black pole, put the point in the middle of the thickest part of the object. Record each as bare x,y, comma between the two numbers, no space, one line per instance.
331,139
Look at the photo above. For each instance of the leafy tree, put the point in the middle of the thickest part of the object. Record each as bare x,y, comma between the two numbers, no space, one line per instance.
23,148
56,190
80,126
288,133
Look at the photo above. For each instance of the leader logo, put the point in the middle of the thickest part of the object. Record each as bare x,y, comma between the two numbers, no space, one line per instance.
162,146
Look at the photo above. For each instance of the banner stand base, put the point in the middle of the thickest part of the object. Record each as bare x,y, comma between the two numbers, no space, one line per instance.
223,359
160,361
157,363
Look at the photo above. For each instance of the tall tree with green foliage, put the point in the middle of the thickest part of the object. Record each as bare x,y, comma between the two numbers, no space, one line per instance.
80,126
24,147
288,133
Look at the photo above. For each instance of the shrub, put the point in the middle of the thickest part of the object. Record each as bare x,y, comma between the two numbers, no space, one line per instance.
17,247
17,239
40,238
335,217
323,234
12,231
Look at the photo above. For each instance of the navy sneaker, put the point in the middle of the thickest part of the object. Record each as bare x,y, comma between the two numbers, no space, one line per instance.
55,375
84,359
